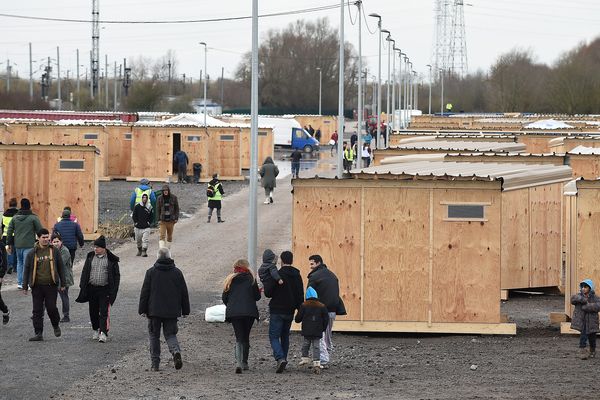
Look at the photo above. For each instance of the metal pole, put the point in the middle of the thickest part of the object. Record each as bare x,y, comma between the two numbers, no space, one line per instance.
222,85
106,78
393,86
442,93
252,223
429,89
115,88
387,118
320,85
58,77
78,84
400,89
416,90
340,170
360,89
378,139
205,80
30,74
91,77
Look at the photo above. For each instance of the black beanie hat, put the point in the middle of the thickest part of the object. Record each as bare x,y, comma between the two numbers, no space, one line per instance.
100,242
25,204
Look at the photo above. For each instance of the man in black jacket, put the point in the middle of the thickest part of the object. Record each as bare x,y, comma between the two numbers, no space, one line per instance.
285,300
163,299
327,286
142,219
99,285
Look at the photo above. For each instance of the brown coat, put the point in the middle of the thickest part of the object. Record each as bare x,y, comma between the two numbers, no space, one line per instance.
585,317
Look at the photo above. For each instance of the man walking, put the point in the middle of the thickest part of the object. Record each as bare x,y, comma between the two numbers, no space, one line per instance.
142,218
163,299
8,215
21,236
327,286
43,273
182,161
286,298
296,156
70,233
98,287
168,215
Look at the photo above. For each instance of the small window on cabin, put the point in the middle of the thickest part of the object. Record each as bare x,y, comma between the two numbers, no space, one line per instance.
71,165
193,138
466,212
262,133
90,136
226,137
127,136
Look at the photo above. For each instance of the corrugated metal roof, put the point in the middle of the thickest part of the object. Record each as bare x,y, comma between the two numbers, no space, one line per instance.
505,154
585,150
513,176
462,146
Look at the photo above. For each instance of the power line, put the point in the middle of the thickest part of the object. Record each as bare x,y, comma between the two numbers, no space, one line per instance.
185,21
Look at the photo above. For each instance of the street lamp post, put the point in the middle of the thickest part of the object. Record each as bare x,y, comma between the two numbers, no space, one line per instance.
377,140
405,89
442,92
340,152
360,88
387,117
320,83
429,66
205,78
416,90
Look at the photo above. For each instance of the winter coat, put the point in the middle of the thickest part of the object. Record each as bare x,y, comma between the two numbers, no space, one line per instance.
143,188
268,173
67,266
173,206
114,277
142,215
181,158
22,229
286,298
3,261
264,271
164,291
585,316
9,212
327,286
314,317
70,233
241,297
29,270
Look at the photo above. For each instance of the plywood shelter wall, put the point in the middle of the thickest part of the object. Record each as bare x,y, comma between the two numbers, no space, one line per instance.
119,150
327,124
535,144
516,243
266,146
570,143
14,133
35,174
195,142
152,155
585,166
225,152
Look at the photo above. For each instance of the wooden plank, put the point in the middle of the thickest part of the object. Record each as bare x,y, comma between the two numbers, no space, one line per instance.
196,143
119,150
558,317
515,240
396,276
153,155
466,270
504,294
565,329
336,237
545,235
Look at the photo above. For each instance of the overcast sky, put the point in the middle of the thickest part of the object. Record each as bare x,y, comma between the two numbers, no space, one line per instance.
547,27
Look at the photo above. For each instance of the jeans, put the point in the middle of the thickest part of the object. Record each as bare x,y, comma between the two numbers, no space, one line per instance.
21,254
585,337
279,334
64,298
170,329
316,350
327,342
11,260
295,169
44,296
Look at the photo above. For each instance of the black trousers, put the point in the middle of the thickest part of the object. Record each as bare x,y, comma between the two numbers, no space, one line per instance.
242,327
72,253
99,305
3,307
44,296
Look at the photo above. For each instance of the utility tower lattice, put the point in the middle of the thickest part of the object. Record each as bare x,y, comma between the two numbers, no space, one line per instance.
450,45
95,46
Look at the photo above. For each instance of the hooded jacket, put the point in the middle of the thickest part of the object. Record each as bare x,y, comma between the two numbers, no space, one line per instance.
314,317
142,215
173,206
585,316
327,286
164,291
268,173
267,272
114,277
286,298
70,232
22,229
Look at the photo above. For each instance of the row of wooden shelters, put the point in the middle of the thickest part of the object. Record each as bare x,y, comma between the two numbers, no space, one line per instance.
427,246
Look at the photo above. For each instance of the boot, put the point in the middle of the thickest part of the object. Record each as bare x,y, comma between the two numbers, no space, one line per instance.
304,361
317,367
219,220
583,353
592,352
208,220
139,253
267,201
144,252
238,357
271,197
245,352
161,244
168,245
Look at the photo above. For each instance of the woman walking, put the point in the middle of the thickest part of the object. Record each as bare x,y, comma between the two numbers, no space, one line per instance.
268,173
240,294
65,254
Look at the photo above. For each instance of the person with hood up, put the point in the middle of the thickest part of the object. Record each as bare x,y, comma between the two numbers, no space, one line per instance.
98,286
168,215
21,236
65,255
142,219
70,233
163,299
143,188
268,173
214,193
8,215
240,294
286,298
267,272
585,317
314,318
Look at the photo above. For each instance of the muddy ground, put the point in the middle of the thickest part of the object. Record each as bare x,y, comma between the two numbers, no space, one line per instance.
537,363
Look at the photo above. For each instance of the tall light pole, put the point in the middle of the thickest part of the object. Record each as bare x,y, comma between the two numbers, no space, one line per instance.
442,93
320,82
429,66
416,91
387,109
377,139
405,89
252,223
395,49
340,155
31,75
400,91
58,77
205,78
360,88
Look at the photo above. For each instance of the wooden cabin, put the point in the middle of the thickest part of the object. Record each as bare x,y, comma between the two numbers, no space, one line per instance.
51,177
519,158
428,246
266,145
585,162
582,245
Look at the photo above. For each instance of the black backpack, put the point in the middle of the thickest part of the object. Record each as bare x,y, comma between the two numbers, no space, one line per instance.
210,191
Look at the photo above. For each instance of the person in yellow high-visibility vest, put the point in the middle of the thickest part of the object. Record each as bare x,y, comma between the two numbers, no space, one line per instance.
449,107
214,193
348,157
6,218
